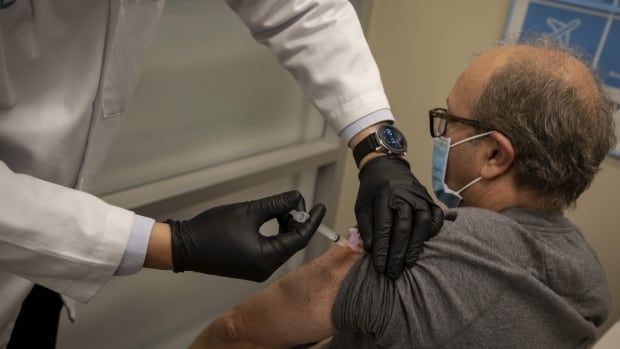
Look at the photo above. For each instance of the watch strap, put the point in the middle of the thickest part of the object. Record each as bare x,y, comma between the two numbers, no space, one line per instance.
363,148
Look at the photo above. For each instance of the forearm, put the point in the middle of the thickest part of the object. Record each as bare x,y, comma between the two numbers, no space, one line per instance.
220,334
63,239
271,318
159,251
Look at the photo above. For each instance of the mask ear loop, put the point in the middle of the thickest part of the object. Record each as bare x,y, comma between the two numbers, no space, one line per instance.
469,185
471,138
467,140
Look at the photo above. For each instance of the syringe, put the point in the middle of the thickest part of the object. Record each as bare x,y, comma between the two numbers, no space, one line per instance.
301,216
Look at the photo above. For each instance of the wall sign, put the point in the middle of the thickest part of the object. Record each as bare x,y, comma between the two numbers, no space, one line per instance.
590,26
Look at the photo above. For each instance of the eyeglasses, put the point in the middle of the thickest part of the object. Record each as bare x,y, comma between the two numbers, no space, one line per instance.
439,120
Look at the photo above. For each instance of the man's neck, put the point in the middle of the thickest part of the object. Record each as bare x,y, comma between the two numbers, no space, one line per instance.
500,195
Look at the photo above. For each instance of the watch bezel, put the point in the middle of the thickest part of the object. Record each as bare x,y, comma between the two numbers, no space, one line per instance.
388,148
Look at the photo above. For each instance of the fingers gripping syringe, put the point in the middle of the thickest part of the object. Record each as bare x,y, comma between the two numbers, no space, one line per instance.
301,216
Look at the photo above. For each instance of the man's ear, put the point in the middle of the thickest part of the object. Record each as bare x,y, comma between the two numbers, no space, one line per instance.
499,156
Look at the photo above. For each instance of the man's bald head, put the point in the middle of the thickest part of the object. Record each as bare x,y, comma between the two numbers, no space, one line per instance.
556,62
552,108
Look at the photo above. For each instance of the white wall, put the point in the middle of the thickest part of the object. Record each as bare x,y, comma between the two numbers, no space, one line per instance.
421,47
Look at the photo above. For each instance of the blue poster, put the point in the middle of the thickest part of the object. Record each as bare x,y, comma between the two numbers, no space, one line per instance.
609,62
590,26
602,5
571,28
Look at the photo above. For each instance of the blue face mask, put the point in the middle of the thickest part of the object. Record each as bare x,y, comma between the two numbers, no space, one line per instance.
441,150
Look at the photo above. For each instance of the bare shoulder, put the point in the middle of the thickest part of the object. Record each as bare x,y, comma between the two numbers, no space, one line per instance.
333,265
319,281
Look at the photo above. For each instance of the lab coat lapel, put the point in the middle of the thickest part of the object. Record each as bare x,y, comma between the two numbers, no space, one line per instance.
133,24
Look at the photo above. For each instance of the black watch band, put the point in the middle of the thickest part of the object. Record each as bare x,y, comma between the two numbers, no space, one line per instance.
386,138
363,148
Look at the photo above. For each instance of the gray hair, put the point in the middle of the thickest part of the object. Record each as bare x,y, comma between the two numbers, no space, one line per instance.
561,127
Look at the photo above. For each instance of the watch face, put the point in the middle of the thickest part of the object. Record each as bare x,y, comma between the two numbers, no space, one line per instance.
392,138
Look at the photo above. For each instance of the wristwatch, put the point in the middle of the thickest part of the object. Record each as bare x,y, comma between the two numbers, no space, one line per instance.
387,139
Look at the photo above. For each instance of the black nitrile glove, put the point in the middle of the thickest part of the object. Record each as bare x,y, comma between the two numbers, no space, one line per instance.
395,214
225,241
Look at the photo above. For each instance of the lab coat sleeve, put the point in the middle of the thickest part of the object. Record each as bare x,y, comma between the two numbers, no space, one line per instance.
137,245
322,45
370,119
66,240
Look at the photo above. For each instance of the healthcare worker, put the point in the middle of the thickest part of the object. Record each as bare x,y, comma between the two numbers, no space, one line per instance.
68,69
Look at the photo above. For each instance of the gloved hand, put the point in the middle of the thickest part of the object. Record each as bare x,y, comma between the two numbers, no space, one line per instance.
395,214
225,241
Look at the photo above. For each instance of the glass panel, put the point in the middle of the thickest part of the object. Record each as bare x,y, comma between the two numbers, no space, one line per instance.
208,94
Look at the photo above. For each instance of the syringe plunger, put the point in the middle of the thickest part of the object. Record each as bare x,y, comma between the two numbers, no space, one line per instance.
301,216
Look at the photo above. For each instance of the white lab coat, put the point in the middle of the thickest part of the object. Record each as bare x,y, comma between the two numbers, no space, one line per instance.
68,69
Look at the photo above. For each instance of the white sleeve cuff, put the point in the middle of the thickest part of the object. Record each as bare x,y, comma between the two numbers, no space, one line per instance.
373,118
133,259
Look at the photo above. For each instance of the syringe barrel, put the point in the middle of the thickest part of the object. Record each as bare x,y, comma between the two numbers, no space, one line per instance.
328,233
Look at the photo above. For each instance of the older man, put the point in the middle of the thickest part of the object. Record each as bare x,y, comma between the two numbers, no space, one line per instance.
525,130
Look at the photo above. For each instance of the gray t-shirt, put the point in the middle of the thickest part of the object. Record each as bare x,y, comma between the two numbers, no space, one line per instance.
516,279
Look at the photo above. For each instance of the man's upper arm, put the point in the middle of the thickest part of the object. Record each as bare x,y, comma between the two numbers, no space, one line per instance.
448,289
297,308
312,288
